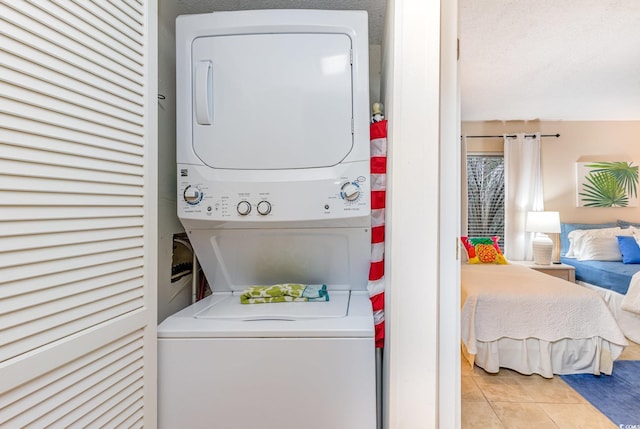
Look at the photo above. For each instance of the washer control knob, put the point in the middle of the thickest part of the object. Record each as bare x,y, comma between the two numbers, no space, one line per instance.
264,208
350,191
244,208
192,195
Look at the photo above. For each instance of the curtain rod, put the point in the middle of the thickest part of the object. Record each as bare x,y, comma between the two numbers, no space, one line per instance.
511,135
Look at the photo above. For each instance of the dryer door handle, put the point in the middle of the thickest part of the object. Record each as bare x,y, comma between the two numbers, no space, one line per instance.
203,92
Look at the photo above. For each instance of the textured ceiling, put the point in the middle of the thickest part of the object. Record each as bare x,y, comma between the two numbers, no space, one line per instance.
550,59
375,9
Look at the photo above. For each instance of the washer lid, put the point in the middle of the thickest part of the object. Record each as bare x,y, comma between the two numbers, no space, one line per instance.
228,306
357,323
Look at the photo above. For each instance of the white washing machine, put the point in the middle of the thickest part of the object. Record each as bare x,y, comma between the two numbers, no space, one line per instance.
273,187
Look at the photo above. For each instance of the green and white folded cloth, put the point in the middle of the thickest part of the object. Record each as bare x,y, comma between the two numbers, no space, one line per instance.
286,292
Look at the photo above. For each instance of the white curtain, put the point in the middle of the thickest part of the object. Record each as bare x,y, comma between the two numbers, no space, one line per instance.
523,192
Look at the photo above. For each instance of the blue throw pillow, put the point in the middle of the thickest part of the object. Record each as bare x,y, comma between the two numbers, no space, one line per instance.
626,224
629,249
566,228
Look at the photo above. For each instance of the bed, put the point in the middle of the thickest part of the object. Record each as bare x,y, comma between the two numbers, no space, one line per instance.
518,318
617,282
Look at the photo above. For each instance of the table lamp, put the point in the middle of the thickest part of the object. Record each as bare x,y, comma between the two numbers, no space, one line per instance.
542,223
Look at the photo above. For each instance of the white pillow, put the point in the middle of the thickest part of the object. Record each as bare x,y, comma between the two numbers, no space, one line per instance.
602,248
577,236
636,235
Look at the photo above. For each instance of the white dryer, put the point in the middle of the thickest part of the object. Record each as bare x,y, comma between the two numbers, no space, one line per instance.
273,187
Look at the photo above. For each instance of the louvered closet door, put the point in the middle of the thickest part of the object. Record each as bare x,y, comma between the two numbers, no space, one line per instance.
77,213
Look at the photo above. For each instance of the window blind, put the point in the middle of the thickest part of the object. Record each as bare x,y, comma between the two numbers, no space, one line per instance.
485,193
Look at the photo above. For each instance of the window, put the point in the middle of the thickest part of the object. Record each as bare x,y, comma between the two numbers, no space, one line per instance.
485,193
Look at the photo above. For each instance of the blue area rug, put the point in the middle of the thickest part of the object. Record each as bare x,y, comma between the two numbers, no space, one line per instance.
617,396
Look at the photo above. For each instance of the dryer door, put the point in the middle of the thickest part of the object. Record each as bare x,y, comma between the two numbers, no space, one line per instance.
272,101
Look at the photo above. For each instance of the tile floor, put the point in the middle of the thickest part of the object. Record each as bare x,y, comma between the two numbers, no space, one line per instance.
510,400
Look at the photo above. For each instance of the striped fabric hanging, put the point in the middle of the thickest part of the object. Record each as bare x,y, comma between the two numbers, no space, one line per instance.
378,132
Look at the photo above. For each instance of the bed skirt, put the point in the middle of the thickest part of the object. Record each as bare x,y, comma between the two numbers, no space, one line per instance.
533,356
629,322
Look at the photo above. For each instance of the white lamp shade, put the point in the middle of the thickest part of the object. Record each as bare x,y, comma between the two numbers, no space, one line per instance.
545,222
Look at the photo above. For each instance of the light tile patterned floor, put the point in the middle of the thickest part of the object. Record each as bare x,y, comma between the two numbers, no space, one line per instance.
509,400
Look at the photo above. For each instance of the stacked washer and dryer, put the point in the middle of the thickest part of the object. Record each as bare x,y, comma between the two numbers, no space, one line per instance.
273,187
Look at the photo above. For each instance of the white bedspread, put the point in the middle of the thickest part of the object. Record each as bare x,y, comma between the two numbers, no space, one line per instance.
517,302
631,301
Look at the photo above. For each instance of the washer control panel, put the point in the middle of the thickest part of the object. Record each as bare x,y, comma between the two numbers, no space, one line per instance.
199,197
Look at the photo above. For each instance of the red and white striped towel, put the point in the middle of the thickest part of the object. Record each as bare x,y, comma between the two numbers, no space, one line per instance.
378,132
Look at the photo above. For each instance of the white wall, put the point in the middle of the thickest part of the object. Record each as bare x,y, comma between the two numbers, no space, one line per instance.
417,263
375,64
171,297
449,222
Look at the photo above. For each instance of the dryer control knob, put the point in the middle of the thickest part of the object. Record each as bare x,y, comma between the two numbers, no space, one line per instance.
244,208
192,195
350,191
264,208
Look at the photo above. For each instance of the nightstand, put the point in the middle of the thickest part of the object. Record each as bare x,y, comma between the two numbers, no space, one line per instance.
563,271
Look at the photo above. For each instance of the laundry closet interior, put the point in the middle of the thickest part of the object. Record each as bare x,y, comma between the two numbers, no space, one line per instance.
273,188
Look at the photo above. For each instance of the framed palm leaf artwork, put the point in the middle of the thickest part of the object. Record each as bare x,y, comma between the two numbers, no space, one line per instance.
607,184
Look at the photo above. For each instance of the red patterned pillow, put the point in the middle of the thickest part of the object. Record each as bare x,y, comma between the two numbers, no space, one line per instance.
483,250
